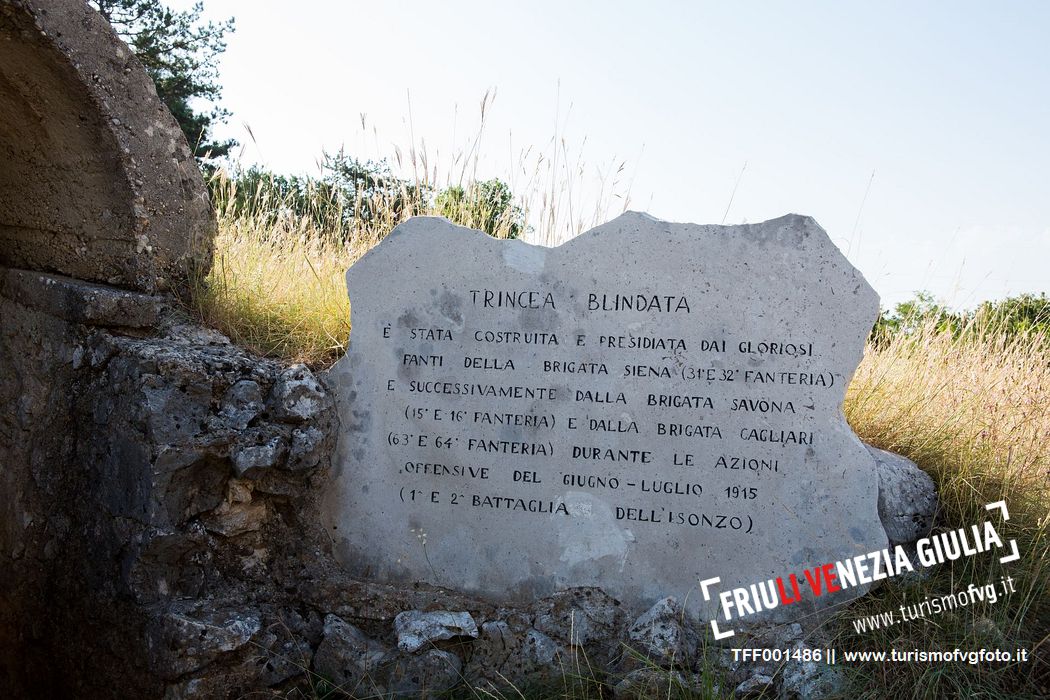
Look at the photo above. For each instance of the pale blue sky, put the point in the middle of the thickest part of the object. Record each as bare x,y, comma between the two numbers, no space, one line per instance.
947,102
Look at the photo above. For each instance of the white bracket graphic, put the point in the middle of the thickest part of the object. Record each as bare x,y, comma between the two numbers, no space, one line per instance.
720,635
707,596
1013,557
708,582
1001,505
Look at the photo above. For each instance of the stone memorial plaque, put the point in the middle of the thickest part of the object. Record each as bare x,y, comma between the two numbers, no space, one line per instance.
645,406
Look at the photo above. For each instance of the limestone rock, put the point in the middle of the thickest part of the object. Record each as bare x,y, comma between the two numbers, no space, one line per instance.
920,572
803,680
663,634
758,685
185,641
425,675
188,334
271,659
297,396
242,403
778,636
907,497
511,650
539,648
267,455
795,679
130,501
280,655
232,519
416,629
349,659
307,449
496,643
737,671
579,616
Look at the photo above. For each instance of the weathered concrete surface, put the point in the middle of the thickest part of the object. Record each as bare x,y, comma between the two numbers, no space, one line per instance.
97,184
432,320
96,179
83,302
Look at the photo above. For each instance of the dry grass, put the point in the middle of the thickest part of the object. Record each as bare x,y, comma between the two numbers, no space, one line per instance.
277,283
278,289
973,411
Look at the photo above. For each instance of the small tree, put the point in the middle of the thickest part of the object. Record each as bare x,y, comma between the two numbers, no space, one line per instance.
1026,313
487,205
908,316
180,52
370,192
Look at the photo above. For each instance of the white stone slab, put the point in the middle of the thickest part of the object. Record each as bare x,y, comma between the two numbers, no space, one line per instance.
687,424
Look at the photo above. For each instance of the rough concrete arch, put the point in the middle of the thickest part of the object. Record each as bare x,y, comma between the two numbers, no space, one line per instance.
96,179
102,213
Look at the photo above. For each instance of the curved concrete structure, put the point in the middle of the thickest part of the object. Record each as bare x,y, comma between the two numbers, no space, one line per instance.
96,179
102,213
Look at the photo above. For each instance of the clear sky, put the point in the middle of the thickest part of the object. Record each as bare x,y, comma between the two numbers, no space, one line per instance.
947,103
